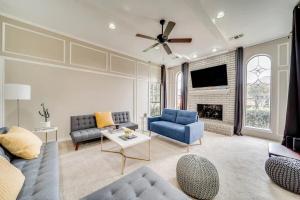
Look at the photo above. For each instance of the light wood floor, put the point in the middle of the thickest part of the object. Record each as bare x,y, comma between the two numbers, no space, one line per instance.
239,161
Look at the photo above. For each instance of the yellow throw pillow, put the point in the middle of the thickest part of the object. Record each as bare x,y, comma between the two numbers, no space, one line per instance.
21,142
104,119
11,180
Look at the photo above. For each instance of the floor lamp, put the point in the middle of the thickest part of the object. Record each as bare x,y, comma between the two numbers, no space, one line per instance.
17,92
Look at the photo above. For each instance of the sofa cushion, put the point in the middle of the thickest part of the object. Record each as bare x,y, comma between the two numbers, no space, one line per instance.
129,125
169,129
104,119
142,184
21,142
41,174
3,152
169,115
86,134
186,117
83,122
11,180
120,117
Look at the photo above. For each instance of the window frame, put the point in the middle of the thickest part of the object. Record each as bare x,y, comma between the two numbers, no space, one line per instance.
176,88
251,128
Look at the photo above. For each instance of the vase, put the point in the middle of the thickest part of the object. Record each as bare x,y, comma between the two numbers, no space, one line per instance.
46,124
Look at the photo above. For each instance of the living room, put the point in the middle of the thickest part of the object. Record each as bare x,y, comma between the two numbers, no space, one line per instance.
141,100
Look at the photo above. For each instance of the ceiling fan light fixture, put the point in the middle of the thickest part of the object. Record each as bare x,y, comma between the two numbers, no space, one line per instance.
112,26
220,14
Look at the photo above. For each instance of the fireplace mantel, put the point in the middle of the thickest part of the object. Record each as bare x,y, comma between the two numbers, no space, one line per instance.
209,91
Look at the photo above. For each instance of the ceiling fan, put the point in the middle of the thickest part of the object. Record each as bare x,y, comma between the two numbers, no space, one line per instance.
163,37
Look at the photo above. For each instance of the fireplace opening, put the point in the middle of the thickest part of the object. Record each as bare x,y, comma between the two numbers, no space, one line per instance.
210,111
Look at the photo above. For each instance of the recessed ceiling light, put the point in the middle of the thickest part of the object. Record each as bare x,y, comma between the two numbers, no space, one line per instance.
194,56
112,26
214,50
220,14
156,48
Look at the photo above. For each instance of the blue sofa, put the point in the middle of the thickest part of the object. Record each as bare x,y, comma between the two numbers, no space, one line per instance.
180,125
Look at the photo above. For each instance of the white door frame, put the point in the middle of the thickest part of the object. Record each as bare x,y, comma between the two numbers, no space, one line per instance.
2,64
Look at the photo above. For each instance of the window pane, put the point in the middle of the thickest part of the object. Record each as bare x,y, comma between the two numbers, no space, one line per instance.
155,99
258,92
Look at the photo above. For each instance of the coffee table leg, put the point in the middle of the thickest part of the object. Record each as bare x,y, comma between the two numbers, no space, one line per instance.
149,150
101,141
123,161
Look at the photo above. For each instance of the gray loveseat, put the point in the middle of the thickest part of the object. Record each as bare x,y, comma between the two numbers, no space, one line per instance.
142,184
41,174
84,127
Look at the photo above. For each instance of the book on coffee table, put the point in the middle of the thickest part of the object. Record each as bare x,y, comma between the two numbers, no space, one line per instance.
124,137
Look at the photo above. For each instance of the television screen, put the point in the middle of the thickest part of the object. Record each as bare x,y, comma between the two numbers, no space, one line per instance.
208,77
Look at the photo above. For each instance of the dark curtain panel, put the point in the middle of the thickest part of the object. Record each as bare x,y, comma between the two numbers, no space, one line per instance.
184,85
238,114
164,86
292,125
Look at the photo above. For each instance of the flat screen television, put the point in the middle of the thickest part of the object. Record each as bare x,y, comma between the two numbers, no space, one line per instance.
209,77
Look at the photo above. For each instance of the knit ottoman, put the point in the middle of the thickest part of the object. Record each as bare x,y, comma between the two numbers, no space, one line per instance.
197,177
285,172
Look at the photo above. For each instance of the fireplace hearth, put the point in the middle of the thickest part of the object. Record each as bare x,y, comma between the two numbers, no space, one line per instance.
210,111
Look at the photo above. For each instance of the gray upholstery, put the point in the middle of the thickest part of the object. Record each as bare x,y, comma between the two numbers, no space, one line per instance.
142,184
120,117
85,134
197,177
84,127
285,172
129,125
41,174
83,122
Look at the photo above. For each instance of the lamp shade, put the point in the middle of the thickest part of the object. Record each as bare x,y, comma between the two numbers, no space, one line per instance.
17,92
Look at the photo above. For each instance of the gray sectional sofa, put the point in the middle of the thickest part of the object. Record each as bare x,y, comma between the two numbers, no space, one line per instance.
142,184
41,174
84,127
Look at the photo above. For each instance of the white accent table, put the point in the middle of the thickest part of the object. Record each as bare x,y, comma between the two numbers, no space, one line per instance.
114,136
46,131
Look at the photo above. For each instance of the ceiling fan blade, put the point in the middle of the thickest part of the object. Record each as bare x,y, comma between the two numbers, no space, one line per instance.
180,40
167,48
145,36
152,46
169,28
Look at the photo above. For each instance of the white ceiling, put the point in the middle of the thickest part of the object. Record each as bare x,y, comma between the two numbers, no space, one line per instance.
258,20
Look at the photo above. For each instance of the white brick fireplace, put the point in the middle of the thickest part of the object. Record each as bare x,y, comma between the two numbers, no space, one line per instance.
224,96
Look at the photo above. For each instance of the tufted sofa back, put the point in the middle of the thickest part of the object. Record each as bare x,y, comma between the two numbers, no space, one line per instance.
89,121
83,122
120,117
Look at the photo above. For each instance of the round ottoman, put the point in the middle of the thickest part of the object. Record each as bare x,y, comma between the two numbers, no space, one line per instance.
197,177
285,172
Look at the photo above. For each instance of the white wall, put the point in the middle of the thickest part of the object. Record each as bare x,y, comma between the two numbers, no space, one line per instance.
1,92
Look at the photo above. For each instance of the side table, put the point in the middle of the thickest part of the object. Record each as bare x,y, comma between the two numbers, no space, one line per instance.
46,131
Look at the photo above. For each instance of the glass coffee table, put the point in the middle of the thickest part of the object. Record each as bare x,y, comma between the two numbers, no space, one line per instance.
114,136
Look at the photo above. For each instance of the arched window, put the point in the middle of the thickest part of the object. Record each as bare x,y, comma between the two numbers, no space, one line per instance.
178,90
258,92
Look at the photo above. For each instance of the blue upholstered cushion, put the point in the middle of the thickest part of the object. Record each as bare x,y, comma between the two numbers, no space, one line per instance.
186,117
169,129
169,115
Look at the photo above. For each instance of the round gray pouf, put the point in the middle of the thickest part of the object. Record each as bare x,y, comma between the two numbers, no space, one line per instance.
197,177
285,172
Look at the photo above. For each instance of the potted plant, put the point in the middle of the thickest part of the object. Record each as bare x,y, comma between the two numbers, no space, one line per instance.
45,114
